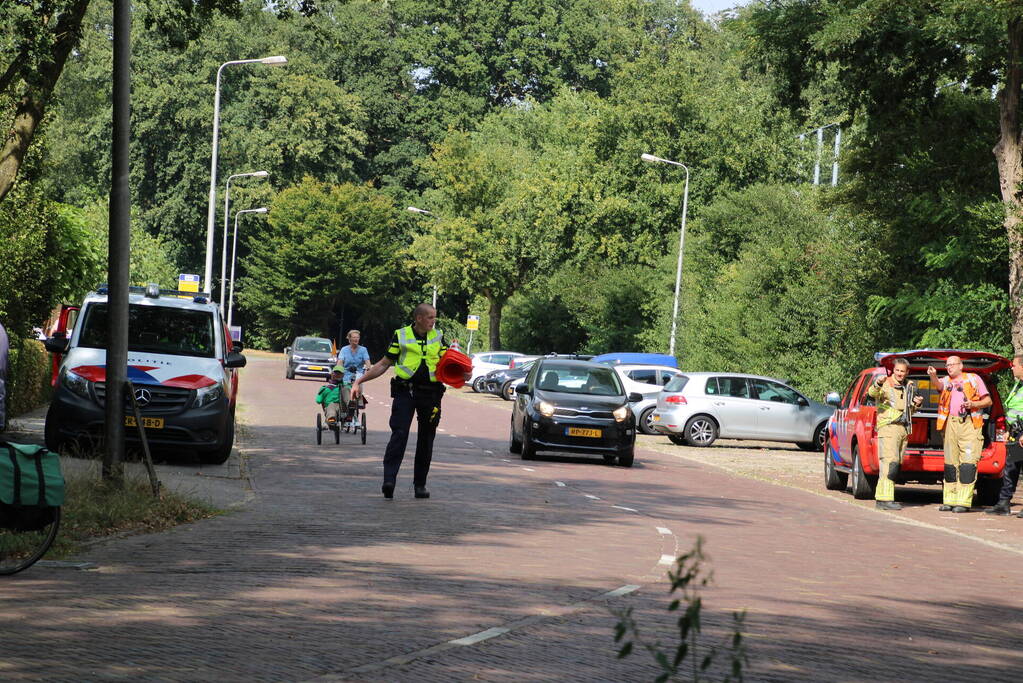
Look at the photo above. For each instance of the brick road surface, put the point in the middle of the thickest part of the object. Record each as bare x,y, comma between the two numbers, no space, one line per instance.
321,578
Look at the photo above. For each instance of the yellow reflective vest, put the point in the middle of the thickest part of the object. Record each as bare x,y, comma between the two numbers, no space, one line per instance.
411,352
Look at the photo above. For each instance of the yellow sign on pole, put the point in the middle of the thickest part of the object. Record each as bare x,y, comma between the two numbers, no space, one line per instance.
472,323
188,283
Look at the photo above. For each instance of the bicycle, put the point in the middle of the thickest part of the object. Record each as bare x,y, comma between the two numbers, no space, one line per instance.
27,530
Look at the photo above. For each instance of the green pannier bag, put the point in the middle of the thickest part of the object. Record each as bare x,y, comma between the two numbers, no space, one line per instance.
30,476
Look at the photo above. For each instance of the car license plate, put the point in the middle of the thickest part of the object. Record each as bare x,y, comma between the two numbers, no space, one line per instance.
579,431
149,422
317,367
656,417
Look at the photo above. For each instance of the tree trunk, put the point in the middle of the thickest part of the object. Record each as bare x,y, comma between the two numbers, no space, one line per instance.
38,90
496,306
1010,172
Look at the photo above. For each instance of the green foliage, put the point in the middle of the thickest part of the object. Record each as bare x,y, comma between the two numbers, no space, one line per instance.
321,247
28,378
690,655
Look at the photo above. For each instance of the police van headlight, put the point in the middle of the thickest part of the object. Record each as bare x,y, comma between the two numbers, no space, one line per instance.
75,383
207,395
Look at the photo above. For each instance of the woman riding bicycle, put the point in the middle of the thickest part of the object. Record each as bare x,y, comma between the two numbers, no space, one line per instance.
354,358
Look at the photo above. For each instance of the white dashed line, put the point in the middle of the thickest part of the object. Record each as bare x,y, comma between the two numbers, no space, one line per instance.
617,592
505,460
482,635
560,483
664,532
441,430
622,507
529,469
591,496
666,559
469,442
489,452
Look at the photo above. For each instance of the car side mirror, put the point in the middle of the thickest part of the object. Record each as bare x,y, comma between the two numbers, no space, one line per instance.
802,401
234,360
287,350
58,343
833,399
635,396
237,346
523,389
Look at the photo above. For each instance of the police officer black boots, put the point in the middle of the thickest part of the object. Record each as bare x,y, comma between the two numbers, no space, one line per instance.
1001,508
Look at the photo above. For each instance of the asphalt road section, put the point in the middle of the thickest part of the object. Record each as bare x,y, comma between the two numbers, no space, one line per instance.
510,572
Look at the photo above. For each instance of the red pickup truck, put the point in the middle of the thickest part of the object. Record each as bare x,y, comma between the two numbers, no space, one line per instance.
850,451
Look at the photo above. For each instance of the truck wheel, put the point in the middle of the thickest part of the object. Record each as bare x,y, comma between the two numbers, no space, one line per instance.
220,454
833,479
988,490
861,485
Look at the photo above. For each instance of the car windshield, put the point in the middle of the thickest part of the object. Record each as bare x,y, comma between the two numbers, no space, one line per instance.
154,329
580,380
316,345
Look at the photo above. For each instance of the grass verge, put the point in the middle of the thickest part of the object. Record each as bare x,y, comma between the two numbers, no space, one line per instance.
94,509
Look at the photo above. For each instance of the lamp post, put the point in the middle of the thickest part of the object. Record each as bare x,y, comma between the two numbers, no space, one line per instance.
424,212
234,258
212,208
223,251
681,243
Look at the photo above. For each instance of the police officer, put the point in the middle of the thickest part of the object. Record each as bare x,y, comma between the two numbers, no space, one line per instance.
1013,404
961,402
414,353
893,430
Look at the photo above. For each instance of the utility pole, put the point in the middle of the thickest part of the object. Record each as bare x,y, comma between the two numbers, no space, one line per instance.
119,247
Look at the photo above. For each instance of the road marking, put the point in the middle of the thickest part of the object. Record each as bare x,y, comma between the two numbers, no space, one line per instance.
664,532
529,469
560,483
591,496
622,507
481,636
666,559
505,460
441,429
618,592
469,442
489,452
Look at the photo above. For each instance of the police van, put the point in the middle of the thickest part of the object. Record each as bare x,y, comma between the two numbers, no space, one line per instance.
181,363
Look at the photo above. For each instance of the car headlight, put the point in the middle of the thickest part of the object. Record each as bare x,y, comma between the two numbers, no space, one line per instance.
546,409
75,383
620,413
333,359
207,395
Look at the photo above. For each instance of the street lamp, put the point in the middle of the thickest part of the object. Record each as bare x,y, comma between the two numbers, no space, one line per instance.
681,243
212,208
234,258
223,251
424,212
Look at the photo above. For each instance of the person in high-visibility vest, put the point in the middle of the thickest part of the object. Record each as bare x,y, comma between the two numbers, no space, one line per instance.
892,430
960,416
414,352
1013,405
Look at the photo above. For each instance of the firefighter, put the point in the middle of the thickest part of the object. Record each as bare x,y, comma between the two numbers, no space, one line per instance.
1013,405
960,417
894,424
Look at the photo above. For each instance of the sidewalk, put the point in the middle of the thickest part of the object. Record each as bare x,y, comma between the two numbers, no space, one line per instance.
226,486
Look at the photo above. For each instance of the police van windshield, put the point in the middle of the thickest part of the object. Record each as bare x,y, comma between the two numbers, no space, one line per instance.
154,329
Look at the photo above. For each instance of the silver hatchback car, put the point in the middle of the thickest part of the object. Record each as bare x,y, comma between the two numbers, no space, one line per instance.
697,408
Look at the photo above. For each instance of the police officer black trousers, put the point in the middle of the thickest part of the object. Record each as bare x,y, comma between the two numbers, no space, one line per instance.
407,400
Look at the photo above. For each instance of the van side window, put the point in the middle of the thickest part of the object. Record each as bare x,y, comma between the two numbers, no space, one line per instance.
847,396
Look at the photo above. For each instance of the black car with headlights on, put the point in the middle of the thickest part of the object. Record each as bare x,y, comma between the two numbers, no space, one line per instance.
573,406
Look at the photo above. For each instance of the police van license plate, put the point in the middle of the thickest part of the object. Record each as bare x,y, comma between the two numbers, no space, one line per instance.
580,431
148,422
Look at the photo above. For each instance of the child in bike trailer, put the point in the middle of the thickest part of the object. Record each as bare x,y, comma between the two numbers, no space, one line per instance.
330,396
352,372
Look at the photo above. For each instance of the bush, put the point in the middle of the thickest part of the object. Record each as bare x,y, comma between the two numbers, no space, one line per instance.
28,377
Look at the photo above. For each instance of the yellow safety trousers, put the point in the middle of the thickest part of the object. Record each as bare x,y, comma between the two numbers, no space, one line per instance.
963,445
891,446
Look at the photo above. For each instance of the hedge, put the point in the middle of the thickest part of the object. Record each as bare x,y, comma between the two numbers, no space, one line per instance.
28,377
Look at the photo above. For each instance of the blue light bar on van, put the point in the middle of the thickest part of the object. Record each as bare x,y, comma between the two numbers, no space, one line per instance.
154,292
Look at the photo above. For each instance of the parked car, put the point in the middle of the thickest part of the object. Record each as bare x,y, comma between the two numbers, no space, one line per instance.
697,408
498,382
647,380
573,406
623,357
314,356
181,362
484,362
850,457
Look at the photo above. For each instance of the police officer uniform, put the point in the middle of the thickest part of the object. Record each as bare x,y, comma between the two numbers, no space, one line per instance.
414,390
893,431
1010,475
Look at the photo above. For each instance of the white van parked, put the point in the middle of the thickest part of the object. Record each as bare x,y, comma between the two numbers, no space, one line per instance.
181,362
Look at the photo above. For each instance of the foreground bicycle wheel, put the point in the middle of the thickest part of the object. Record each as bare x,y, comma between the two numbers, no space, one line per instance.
19,550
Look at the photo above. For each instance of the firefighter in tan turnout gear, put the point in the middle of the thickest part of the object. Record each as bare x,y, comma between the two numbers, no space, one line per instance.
894,424
960,414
